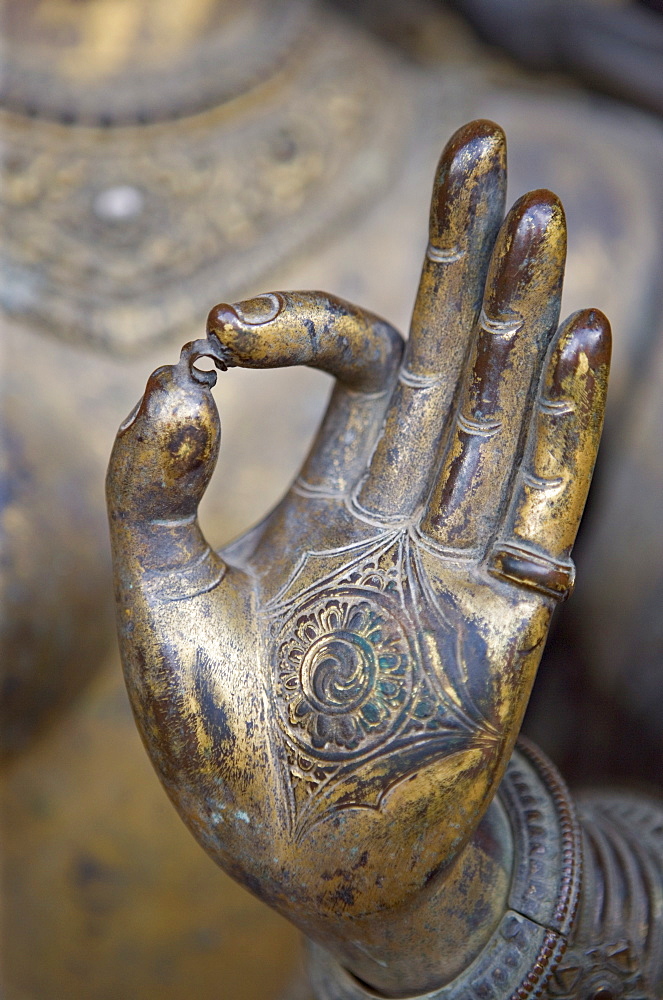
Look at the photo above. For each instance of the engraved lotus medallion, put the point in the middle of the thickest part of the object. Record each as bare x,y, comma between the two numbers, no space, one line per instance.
345,673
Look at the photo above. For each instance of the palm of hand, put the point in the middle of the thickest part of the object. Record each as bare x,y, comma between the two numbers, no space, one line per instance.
362,661
384,660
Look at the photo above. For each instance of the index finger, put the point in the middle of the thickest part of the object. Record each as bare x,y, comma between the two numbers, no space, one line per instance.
359,349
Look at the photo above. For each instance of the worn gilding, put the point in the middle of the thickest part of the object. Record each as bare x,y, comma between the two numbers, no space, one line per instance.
333,700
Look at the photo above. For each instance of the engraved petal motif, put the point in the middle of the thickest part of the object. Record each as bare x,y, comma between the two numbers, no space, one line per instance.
344,672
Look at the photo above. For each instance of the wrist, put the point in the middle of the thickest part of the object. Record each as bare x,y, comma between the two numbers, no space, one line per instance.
521,930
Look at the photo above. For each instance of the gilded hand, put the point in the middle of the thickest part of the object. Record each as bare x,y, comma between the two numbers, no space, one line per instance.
332,701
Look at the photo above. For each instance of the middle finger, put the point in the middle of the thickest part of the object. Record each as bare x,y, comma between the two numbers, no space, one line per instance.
519,316
466,211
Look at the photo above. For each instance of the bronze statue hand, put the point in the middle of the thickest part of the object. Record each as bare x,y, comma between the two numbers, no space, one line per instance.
332,702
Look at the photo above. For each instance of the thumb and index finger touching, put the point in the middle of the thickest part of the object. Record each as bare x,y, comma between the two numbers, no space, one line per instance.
316,329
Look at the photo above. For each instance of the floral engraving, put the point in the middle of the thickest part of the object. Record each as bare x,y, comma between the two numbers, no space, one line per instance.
345,673
365,693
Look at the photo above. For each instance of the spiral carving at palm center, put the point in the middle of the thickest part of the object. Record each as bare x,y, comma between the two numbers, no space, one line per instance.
338,672
344,673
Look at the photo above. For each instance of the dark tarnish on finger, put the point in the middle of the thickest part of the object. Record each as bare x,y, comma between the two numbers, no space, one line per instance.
551,488
466,211
467,208
518,318
360,350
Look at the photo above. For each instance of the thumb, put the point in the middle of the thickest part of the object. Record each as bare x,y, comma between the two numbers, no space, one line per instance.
166,450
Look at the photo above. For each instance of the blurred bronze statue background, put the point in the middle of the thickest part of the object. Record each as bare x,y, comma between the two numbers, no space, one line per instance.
130,204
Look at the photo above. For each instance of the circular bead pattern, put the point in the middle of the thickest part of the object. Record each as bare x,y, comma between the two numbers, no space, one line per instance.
344,673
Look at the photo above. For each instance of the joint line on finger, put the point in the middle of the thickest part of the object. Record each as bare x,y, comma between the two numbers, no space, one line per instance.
374,518
448,551
366,397
556,407
542,484
175,522
199,576
503,329
444,255
312,492
478,428
414,381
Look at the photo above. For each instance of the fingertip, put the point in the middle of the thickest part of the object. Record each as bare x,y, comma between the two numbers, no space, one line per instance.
578,367
219,317
474,142
588,333
582,349
529,255
475,154
536,222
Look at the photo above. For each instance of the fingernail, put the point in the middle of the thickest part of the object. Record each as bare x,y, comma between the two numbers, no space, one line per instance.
262,309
